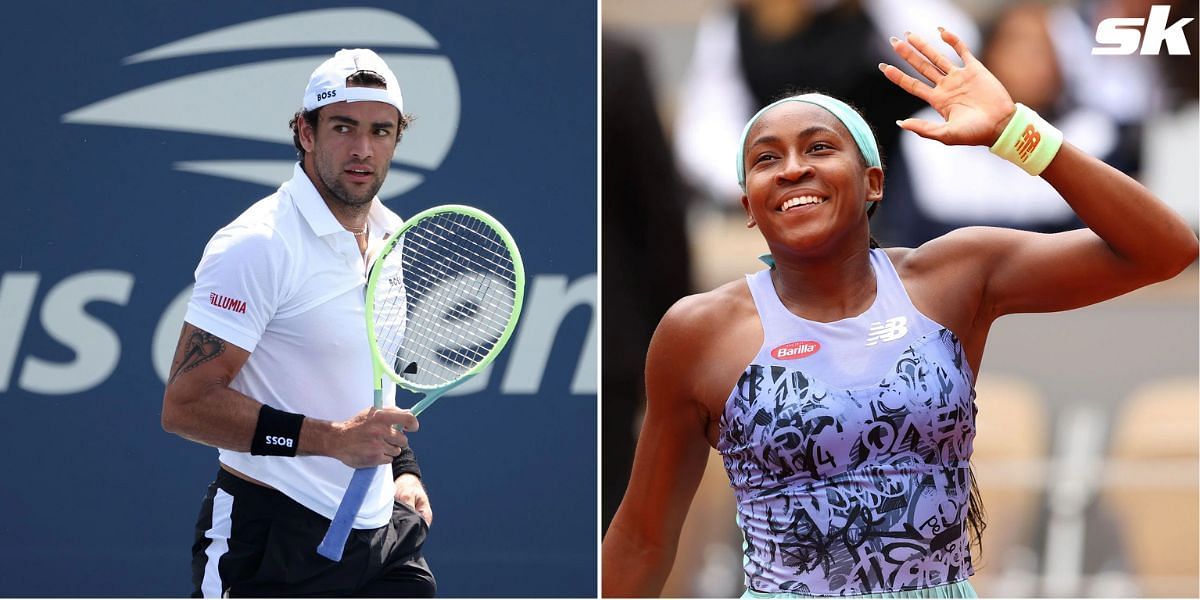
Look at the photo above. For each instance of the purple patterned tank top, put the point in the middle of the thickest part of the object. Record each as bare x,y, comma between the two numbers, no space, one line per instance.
847,446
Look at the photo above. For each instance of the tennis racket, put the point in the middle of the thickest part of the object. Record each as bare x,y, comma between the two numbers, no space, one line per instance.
442,300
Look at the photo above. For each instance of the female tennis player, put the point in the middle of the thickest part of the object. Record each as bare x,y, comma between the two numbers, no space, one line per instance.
838,384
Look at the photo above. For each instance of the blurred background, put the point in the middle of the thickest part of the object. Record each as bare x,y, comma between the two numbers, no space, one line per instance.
1087,447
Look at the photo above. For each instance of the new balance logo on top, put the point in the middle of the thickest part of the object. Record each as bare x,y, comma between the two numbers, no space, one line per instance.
1028,142
1121,36
887,331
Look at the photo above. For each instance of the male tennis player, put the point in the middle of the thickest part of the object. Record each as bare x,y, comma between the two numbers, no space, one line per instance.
273,366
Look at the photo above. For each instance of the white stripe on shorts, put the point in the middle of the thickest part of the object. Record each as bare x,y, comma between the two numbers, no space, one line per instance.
222,524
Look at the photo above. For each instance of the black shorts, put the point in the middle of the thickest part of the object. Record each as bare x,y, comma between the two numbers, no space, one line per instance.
255,541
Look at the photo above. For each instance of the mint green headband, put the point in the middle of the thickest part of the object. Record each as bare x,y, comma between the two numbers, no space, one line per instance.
844,113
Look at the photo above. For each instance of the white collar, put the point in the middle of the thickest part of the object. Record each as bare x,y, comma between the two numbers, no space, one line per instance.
321,220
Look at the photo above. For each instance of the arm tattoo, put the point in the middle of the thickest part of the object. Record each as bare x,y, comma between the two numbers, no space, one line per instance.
197,349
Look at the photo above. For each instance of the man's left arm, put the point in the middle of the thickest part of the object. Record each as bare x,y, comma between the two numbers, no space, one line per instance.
409,488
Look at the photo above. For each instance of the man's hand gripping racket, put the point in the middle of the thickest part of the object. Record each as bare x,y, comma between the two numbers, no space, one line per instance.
442,300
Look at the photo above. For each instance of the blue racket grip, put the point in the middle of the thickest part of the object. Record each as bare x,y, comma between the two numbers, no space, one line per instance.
339,529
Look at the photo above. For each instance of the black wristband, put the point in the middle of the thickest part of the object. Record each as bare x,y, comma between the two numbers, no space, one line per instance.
405,462
277,433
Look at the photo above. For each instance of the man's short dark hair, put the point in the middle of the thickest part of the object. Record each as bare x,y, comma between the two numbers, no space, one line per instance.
369,79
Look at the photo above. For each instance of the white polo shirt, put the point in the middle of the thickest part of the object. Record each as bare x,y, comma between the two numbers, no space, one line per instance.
286,282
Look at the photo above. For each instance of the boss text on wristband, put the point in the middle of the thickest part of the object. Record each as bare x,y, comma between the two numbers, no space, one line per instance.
277,433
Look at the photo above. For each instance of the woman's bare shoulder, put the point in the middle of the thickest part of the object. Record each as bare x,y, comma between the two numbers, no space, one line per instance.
696,315
958,249
700,347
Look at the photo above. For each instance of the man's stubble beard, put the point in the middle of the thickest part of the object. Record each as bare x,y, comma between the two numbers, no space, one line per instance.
329,177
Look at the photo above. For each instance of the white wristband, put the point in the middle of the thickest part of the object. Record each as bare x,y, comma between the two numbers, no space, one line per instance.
1028,141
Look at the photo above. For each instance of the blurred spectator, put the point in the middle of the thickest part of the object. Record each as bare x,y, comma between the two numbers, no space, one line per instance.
1181,72
755,50
645,259
1171,136
1129,89
935,188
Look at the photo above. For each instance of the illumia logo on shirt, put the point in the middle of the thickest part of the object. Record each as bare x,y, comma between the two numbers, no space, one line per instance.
887,331
227,303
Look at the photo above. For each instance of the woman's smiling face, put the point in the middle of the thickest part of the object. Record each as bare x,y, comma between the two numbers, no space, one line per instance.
807,184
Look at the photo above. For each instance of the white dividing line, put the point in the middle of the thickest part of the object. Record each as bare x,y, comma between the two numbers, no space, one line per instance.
1074,477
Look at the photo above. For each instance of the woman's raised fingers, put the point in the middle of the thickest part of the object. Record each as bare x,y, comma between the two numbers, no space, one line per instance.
907,82
939,60
960,47
917,59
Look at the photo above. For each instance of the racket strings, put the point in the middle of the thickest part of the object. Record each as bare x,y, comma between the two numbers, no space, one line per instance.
430,274
455,340
450,339
447,302
486,250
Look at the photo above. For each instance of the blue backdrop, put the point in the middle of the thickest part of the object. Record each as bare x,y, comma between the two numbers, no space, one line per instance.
132,131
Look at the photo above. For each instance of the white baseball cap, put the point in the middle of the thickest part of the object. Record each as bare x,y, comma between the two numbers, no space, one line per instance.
328,83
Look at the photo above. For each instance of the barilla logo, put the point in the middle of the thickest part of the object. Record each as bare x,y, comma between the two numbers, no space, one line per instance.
1028,142
794,350
227,303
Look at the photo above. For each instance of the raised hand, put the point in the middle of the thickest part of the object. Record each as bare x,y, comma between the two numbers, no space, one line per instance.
974,104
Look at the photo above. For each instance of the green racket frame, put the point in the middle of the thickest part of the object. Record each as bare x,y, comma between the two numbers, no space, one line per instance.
332,545
381,368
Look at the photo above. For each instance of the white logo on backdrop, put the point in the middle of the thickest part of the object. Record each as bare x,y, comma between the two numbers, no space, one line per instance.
253,101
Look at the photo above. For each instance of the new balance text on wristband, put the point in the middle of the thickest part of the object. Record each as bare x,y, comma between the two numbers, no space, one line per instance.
1028,141
277,433
405,462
